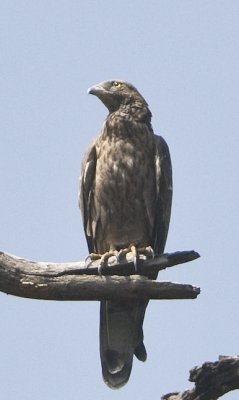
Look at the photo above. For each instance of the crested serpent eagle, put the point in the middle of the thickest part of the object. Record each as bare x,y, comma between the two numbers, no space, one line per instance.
125,200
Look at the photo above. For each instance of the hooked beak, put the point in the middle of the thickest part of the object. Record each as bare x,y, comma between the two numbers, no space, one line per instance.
102,91
95,90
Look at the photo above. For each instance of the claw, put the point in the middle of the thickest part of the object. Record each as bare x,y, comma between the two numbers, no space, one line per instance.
106,256
90,258
99,269
135,257
102,257
88,261
123,255
136,252
119,255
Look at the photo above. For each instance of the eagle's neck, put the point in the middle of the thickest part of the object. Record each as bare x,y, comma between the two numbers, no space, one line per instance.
127,122
134,111
137,111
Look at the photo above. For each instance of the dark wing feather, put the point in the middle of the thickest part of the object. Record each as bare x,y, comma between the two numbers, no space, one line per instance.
86,184
164,186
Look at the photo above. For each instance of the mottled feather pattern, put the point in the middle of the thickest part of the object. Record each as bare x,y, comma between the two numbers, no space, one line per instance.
125,199
126,176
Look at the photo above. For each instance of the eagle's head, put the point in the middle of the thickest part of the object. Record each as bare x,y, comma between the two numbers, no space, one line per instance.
120,95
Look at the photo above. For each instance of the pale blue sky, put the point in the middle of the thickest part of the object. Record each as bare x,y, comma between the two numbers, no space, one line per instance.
183,57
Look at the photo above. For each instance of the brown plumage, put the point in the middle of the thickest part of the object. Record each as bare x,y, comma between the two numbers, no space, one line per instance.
126,192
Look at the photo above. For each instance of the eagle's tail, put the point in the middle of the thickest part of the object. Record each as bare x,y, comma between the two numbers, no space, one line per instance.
121,336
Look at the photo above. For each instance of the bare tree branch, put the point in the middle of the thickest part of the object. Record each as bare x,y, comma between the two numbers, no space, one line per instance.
77,281
212,380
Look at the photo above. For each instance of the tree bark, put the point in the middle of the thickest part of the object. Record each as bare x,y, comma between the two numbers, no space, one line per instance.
79,281
212,380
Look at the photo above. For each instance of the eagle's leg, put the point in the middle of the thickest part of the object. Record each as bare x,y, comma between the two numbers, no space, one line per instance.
105,258
102,257
136,252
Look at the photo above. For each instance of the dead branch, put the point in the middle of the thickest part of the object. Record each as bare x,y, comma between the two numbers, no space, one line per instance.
77,281
212,380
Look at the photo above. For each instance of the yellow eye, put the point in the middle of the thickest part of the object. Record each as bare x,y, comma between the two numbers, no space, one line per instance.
116,84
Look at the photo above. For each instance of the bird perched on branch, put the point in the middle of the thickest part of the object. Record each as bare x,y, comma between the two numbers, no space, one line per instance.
125,200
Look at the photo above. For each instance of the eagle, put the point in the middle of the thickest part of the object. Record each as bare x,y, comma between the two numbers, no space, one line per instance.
125,201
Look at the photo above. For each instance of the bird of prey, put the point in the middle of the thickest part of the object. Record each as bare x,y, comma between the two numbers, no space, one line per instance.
125,200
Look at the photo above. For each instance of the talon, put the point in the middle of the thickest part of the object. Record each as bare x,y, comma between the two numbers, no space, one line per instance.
88,261
104,258
100,270
91,258
122,255
135,257
136,253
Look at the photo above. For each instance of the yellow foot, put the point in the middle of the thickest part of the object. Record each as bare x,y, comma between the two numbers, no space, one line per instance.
103,259
136,252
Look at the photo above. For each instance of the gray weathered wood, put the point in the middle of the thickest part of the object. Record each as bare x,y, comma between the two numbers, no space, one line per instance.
75,281
212,380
